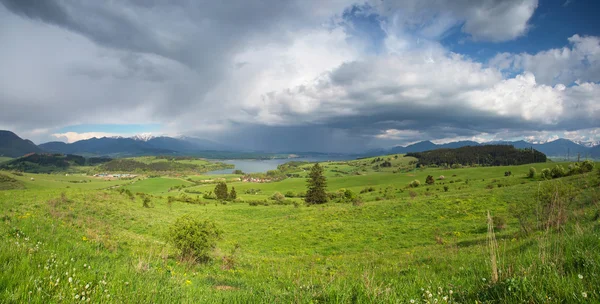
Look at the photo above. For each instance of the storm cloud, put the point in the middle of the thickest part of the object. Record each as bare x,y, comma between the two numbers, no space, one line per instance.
290,75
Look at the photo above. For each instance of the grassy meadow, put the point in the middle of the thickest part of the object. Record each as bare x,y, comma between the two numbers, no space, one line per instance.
67,241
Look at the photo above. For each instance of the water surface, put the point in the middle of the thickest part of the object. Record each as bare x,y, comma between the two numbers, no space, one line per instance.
256,165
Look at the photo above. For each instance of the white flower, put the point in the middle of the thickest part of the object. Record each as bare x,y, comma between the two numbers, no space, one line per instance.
76,296
87,286
82,298
445,298
70,280
450,292
412,301
483,279
580,276
584,294
87,300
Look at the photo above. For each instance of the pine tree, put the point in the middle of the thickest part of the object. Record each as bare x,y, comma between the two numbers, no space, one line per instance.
232,194
316,186
221,191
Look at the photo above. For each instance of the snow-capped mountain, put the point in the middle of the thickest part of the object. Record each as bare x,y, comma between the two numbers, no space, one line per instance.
588,144
143,137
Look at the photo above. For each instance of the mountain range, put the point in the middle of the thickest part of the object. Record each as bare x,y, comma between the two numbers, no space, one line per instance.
12,145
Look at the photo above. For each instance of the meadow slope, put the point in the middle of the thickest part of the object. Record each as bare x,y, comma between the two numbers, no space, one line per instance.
63,241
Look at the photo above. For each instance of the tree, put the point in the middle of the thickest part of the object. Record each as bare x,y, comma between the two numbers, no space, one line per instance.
429,180
316,186
221,191
232,194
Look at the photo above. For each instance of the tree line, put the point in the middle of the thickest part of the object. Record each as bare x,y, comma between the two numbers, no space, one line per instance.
488,155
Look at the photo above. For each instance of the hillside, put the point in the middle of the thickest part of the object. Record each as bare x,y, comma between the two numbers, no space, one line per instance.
487,155
12,145
162,164
557,148
377,240
46,162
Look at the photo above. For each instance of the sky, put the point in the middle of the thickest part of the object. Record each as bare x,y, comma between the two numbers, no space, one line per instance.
301,75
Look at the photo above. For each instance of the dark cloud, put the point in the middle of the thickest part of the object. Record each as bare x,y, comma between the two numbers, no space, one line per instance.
288,75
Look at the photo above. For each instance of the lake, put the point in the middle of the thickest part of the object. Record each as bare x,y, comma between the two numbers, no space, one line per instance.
256,165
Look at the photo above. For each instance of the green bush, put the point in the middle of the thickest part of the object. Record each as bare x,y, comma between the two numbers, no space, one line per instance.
587,166
289,194
429,180
532,172
415,184
558,171
546,173
278,197
194,238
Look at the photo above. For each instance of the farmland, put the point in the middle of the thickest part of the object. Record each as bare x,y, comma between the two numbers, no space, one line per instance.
72,237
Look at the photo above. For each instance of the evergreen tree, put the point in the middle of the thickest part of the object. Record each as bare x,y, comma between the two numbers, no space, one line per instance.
232,194
221,191
316,186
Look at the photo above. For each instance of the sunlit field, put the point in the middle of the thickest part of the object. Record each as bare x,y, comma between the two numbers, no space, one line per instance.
63,240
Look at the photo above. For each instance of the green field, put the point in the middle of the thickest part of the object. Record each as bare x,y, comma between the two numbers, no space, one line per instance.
4,158
62,241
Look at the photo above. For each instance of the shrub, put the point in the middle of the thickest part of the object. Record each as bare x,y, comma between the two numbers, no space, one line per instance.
232,194
258,203
499,222
587,166
349,195
278,197
429,180
146,202
446,188
208,195
558,171
507,173
289,194
368,189
546,173
532,172
415,184
194,238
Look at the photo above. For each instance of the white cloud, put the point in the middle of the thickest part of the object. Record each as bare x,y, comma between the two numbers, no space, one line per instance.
578,62
225,70
490,20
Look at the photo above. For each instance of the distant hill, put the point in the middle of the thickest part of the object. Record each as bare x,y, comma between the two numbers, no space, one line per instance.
107,146
485,155
46,162
557,148
12,145
595,152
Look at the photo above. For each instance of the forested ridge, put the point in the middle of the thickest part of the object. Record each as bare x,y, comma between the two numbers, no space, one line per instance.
489,155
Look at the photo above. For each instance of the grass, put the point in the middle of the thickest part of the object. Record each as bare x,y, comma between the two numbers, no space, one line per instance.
392,248
4,159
